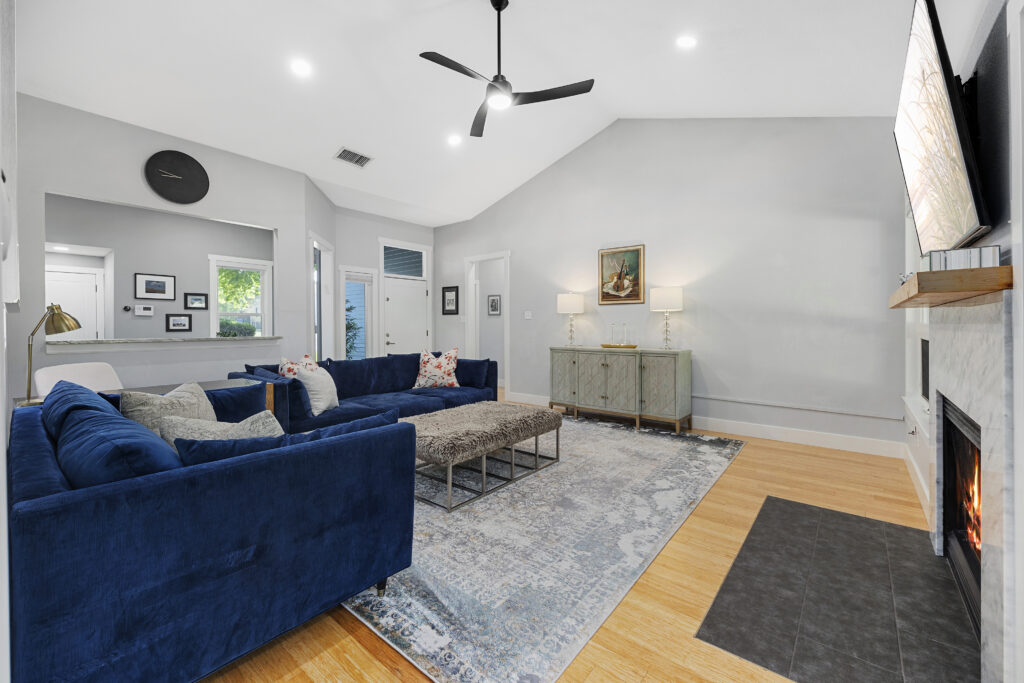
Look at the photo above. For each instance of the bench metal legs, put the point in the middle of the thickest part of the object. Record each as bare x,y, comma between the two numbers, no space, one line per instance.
538,464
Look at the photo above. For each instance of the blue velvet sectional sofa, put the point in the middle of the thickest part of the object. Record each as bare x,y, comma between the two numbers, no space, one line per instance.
374,385
169,575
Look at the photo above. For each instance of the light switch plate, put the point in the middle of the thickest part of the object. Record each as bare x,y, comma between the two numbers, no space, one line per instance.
527,315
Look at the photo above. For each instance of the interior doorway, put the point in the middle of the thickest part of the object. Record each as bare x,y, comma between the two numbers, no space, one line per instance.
488,321
80,292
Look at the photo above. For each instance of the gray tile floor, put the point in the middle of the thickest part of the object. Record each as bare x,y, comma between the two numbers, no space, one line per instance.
818,595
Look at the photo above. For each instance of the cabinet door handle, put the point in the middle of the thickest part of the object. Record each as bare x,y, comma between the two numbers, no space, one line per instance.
604,365
605,397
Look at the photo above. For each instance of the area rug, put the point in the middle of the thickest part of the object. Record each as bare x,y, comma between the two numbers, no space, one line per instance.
512,586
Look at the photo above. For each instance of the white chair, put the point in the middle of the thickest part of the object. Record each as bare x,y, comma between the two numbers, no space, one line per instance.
95,376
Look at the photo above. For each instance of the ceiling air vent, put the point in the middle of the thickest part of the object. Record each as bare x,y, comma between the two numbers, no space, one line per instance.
351,157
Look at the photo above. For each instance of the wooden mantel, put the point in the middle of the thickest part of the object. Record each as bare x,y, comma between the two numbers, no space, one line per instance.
938,287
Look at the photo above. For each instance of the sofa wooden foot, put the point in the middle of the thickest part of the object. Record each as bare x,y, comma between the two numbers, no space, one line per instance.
382,586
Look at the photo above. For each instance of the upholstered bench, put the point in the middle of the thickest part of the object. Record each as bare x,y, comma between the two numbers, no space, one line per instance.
450,438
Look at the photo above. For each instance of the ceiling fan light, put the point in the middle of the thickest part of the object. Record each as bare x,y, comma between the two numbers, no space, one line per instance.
499,101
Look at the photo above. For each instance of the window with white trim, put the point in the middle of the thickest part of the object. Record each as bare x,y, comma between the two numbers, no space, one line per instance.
240,296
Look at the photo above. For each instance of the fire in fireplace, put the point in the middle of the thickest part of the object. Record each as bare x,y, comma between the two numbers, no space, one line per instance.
961,440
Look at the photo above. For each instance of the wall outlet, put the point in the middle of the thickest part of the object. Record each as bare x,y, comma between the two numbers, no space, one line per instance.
527,315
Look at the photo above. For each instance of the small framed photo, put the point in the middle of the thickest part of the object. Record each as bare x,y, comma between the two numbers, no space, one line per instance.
149,286
197,302
493,304
178,322
449,301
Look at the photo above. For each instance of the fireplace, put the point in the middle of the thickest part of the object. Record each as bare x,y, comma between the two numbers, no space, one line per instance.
961,503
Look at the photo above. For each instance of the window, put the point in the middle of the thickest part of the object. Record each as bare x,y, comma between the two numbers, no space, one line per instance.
241,297
357,301
403,262
318,309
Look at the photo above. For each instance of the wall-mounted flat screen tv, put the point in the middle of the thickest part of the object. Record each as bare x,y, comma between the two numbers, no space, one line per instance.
934,143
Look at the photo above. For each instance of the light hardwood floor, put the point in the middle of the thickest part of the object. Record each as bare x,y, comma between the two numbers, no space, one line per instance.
650,635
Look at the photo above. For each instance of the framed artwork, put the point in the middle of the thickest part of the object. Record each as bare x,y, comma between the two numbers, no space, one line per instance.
178,322
493,304
449,301
620,273
197,302
149,286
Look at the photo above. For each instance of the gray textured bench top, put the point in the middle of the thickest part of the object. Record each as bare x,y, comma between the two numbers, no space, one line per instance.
459,434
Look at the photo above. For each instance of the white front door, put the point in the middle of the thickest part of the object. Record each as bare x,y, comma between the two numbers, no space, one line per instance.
405,315
78,295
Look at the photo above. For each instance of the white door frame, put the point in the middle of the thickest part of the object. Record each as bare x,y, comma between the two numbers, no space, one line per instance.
472,308
428,276
101,292
376,326
328,288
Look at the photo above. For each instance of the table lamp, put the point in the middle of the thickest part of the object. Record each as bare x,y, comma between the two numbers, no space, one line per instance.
57,321
666,300
571,304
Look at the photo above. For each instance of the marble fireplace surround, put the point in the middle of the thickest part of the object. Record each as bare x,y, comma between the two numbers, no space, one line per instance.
971,359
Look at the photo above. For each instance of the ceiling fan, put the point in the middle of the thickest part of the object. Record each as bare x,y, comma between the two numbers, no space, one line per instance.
499,93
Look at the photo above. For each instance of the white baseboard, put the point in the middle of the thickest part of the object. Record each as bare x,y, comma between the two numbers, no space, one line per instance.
534,399
843,442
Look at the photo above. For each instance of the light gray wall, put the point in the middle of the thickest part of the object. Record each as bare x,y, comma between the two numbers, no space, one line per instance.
69,152
491,276
358,236
786,235
147,241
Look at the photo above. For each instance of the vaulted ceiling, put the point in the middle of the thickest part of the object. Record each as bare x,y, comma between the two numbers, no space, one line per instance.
217,72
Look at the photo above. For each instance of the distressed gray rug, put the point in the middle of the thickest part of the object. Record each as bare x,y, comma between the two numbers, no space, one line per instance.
512,586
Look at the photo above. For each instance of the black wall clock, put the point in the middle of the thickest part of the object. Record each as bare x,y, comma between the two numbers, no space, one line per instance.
177,177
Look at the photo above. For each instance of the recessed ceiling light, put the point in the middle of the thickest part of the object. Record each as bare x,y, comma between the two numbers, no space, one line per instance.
62,248
686,42
454,140
301,68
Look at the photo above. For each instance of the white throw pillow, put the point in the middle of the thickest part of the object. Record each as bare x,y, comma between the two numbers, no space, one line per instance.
438,372
323,394
260,424
188,400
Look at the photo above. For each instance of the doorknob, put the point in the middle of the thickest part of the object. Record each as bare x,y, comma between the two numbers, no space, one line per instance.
390,343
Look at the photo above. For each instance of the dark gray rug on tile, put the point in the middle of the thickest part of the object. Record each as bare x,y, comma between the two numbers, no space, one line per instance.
818,595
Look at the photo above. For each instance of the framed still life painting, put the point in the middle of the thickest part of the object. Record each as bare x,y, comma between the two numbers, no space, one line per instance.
621,275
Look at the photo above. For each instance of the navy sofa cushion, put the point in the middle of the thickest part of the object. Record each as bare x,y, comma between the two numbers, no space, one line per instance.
38,475
67,397
194,452
455,396
379,375
96,447
345,412
234,404
408,404
298,397
472,373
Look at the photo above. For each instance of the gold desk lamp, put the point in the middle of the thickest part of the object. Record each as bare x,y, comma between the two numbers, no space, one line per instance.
57,321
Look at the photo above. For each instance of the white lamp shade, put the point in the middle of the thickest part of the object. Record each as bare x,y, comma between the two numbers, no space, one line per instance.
570,303
666,298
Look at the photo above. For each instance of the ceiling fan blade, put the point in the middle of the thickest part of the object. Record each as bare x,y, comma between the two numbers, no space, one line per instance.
552,93
453,65
477,131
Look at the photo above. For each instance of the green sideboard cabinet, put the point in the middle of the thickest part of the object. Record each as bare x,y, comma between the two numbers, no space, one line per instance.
645,384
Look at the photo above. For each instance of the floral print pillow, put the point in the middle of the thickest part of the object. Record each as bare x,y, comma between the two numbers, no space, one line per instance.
438,372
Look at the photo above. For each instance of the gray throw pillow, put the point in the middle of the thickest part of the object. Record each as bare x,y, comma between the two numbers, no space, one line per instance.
260,424
188,400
